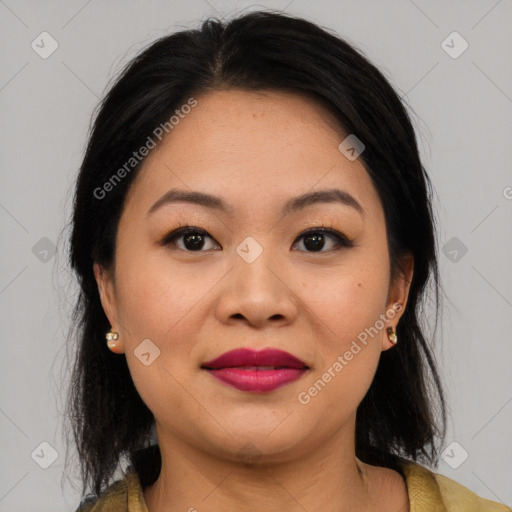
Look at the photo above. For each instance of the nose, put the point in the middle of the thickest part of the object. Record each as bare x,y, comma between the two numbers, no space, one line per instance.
257,293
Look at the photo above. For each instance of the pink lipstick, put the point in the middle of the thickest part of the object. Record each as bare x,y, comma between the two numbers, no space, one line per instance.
256,371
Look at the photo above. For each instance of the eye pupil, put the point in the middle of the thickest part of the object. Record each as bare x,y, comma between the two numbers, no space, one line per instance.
317,244
196,241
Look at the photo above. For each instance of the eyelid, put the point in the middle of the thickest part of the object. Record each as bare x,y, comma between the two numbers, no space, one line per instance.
329,230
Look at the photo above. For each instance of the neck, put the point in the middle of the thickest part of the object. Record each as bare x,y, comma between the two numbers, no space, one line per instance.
329,477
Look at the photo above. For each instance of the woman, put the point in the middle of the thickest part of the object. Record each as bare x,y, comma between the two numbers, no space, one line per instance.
253,236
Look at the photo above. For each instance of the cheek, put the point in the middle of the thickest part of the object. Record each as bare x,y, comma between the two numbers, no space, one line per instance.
333,393
348,308
160,303
346,301
156,299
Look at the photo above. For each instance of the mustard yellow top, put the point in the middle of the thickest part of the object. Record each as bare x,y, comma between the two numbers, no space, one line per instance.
428,492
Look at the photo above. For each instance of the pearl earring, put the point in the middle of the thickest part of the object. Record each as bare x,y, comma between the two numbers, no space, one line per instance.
111,338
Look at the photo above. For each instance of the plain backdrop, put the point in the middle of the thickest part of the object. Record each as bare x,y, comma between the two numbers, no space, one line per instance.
462,102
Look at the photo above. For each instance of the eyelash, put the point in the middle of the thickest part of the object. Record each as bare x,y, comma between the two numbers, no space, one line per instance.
341,240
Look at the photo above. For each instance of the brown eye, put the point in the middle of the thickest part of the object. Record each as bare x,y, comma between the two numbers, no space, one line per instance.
192,239
316,239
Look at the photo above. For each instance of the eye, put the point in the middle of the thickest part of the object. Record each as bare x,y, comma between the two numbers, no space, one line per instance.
314,239
193,239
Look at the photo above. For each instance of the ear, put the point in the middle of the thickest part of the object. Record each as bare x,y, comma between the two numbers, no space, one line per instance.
105,283
397,296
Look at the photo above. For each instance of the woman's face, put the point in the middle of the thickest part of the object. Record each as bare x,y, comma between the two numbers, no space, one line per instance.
251,278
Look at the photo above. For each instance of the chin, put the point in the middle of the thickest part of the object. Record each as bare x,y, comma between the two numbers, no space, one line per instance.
259,446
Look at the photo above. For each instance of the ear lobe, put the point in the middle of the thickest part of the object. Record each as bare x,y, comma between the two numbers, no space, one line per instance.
106,290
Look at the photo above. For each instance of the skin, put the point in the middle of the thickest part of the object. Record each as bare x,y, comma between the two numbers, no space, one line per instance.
225,449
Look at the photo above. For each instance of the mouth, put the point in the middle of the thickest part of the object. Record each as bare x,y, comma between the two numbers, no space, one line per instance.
256,371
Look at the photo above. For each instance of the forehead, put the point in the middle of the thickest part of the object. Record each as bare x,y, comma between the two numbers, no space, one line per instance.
253,148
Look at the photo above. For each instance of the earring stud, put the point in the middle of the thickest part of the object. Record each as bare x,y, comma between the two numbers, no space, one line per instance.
111,338
392,335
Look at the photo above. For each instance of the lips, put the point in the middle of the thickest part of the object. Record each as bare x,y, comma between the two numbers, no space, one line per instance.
256,371
263,358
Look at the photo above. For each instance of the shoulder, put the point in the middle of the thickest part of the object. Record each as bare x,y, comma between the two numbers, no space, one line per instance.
124,495
426,488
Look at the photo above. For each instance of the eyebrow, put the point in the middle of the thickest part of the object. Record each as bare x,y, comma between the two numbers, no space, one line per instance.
333,195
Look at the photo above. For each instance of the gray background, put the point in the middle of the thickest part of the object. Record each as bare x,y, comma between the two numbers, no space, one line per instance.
463,112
